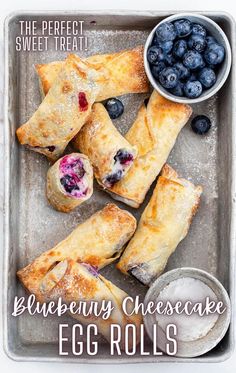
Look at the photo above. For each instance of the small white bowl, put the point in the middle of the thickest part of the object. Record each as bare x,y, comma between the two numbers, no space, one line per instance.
222,72
201,345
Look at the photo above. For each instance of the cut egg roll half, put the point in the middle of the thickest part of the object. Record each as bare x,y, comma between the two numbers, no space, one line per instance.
69,182
98,241
154,132
163,225
109,152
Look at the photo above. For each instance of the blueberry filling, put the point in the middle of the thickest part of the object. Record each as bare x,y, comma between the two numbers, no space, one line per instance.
82,101
114,178
123,157
72,176
123,160
92,269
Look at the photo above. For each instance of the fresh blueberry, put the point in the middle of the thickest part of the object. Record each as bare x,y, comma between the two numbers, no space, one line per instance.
207,77
155,55
169,78
193,89
183,71
210,40
180,48
157,69
201,124
166,46
214,54
178,90
197,43
183,27
114,178
199,30
123,157
114,107
193,60
166,32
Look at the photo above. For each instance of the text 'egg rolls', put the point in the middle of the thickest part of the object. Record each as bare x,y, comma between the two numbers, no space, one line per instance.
125,72
69,182
109,152
154,132
97,241
64,110
164,223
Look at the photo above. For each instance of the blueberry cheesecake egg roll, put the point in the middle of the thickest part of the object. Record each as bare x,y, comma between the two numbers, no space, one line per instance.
69,182
109,152
163,225
125,70
154,132
64,110
98,241
75,282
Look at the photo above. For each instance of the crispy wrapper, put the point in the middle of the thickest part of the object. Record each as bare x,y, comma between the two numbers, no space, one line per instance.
64,110
98,241
125,70
164,223
154,132
109,152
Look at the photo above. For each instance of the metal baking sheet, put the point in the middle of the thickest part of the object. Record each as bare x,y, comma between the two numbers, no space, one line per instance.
32,226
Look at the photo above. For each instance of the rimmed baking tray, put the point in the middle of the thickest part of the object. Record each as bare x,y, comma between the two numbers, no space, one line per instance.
31,226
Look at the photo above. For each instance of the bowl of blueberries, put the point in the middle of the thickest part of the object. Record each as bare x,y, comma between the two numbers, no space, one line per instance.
187,57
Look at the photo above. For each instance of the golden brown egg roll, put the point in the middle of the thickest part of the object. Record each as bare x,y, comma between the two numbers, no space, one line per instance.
164,223
154,132
98,241
109,152
125,70
64,110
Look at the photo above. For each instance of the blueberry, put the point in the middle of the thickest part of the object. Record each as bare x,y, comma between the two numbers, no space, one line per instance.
214,54
166,46
207,77
193,60
114,178
197,43
114,107
180,48
210,40
157,69
178,90
183,27
166,32
193,89
123,157
183,71
199,30
201,124
169,78
155,55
